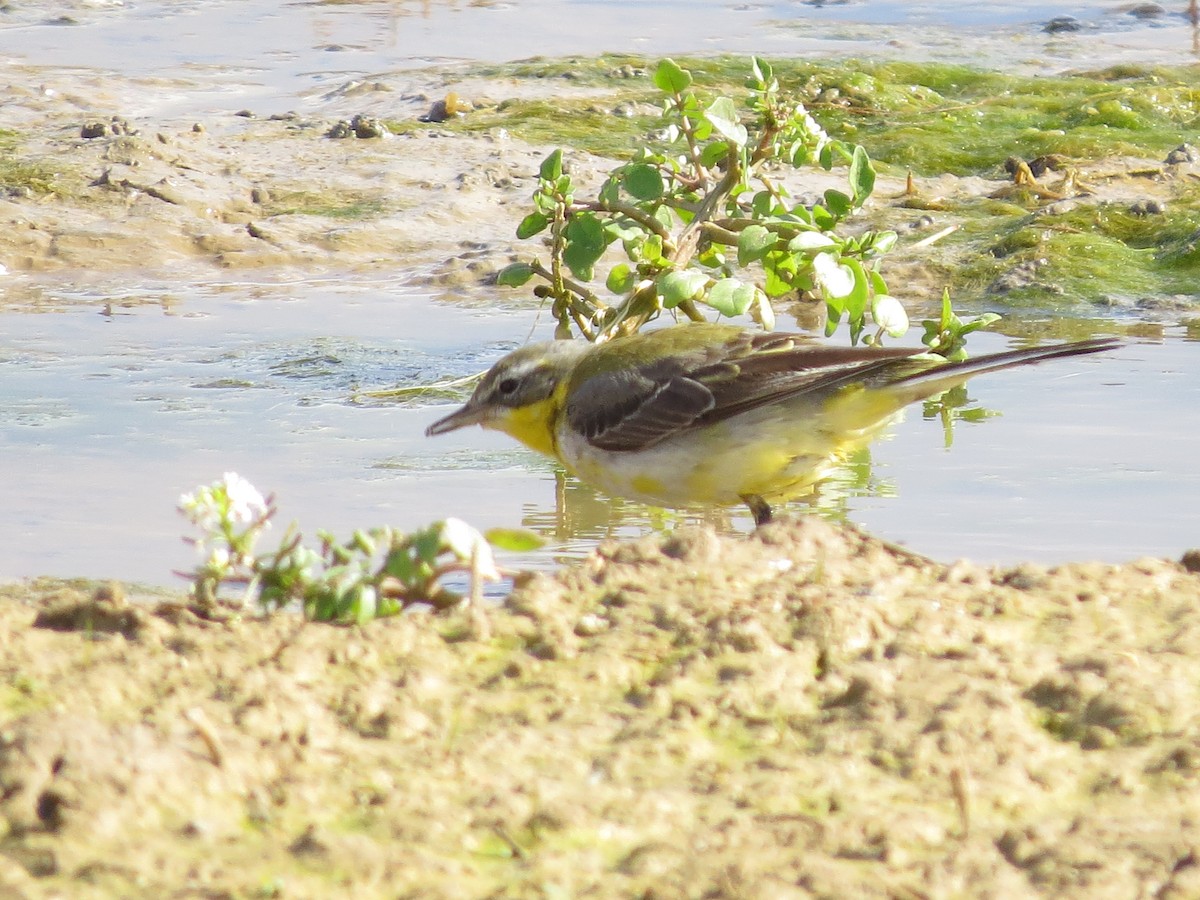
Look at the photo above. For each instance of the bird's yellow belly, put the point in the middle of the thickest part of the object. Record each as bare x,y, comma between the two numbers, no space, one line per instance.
763,454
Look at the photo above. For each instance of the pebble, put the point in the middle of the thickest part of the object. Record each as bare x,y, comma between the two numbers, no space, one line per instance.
1148,208
447,108
1061,24
360,127
1184,153
114,126
1147,11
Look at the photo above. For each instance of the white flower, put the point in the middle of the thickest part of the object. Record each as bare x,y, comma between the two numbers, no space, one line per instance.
201,508
246,504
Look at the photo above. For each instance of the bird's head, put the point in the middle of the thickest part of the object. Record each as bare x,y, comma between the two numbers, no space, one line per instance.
519,395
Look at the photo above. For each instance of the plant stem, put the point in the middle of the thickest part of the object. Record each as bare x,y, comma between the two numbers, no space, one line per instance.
644,219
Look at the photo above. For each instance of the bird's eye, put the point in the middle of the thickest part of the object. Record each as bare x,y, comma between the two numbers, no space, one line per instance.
507,386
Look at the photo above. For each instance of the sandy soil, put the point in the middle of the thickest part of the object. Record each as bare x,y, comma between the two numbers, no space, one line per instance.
798,713
801,712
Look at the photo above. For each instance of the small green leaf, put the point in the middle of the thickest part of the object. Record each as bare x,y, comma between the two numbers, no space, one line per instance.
665,217
532,224
825,157
677,286
362,542
551,168
545,202
862,176
810,242
610,191
878,285
620,279
724,117
754,243
644,182
883,242
823,219
833,316
399,564
514,275
514,540
586,241
671,78
652,248
763,204
980,322
780,275
838,203
856,300
426,544
761,71
730,297
714,153
366,604
801,154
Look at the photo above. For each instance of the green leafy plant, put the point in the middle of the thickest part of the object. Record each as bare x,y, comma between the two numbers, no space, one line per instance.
947,335
378,572
703,221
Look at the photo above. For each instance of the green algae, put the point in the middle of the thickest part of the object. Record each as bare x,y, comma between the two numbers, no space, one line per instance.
342,205
20,175
1096,253
937,119
933,118
607,126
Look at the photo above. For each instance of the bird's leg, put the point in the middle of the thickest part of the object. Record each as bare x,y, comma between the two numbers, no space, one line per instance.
759,508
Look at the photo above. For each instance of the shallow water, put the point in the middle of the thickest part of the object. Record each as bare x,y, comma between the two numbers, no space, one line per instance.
111,405
272,53
110,411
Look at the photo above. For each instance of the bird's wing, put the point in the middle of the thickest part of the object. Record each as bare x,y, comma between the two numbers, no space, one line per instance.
636,406
781,372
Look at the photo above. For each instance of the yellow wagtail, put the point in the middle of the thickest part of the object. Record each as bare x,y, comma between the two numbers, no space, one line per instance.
710,415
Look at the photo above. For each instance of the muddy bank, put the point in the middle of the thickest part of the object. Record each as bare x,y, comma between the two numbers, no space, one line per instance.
799,713
89,188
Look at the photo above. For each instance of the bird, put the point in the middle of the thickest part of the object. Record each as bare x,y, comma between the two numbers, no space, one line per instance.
712,415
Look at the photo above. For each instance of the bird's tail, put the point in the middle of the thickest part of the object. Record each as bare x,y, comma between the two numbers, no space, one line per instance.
926,383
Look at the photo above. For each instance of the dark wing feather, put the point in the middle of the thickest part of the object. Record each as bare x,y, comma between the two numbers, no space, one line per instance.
630,409
636,407
777,375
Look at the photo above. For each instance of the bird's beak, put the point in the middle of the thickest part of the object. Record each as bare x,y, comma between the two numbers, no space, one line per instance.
460,418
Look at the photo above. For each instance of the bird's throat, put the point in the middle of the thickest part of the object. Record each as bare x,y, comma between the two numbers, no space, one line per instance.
532,425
